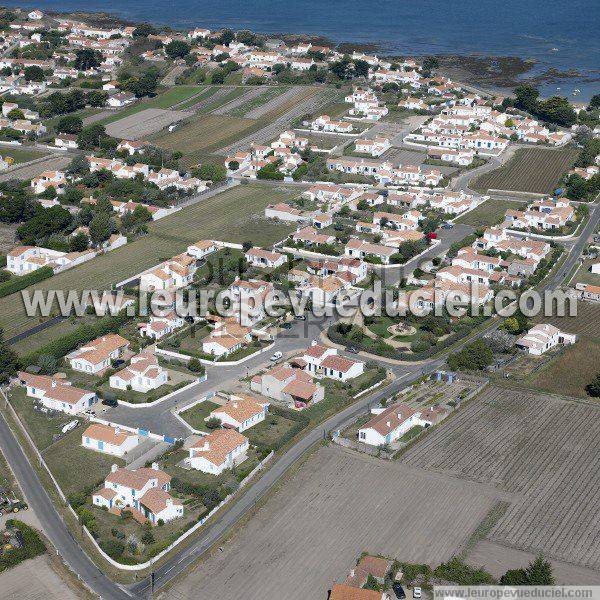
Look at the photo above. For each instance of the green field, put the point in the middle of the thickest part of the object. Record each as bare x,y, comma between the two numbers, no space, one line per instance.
20,155
491,212
206,93
195,416
232,94
530,170
235,215
265,96
166,100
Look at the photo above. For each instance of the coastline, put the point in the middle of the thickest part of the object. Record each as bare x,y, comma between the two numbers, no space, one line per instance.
490,73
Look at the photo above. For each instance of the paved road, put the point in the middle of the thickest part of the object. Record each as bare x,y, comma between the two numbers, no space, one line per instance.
51,522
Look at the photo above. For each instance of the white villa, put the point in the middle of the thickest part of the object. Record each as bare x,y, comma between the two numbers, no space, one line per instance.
222,449
543,337
109,440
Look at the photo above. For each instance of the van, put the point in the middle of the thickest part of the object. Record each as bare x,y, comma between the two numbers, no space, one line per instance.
70,426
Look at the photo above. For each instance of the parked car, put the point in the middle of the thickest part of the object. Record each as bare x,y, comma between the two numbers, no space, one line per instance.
352,350
432,236
447,225
300,317
286,326
398,590
276,356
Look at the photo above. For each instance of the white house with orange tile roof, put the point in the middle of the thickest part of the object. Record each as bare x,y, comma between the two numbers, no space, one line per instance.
373,147
47,179
326,124
240,412
159,326
202,249
145,490
389,424
322,361
257,257
227,337
543,337
173,274
284,212
97,355
222,449
57,393
142,375
109,440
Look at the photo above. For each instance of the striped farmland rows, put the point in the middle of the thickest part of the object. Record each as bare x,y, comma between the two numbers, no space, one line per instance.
584,324
540,448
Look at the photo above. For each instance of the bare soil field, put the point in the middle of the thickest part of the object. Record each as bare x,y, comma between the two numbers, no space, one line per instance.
534,170
540,448
144,123
310,533
34,580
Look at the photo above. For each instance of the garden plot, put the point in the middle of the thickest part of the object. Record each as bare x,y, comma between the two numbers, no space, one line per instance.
274,104
540,448
231,106
144,123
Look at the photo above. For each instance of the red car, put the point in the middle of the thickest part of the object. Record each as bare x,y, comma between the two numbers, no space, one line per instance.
432,236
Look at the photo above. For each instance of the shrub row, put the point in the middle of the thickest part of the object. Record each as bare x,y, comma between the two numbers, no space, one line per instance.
16,284
83,334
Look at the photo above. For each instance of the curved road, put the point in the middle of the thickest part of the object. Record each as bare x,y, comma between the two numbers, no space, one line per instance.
79,562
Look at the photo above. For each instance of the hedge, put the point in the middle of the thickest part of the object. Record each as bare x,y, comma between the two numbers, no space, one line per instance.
69,342
32,546
301,420
16,284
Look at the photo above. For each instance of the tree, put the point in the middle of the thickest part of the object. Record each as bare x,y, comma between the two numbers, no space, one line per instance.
514,577
89,137
539,572
227,36
594,102
144,30
593,388
213,423
86,59
79,165
217,77
211,172
341,68
8,361
34,73
101,227
70,124
97,98
47,364
177,49
473,357
526,98
15,114
44,223
79,242
361,68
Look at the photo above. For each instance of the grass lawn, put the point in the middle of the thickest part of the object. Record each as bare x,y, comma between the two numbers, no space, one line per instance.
138,397
206,93
76,468
106,523
235,215
41,426
491,212
534,170
339,395
571,370
195,477
166,100
271,431
7,480
20,155
584,275
195,416
64,327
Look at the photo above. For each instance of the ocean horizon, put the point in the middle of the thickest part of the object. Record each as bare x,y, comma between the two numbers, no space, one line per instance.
557,35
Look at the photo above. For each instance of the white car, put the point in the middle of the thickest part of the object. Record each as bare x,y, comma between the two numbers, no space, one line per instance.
276,356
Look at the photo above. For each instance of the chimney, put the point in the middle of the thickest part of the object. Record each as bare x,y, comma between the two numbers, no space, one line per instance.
155,466
54,384
113,468
351,572
117,430
206,446
388,424
235,404
169,502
